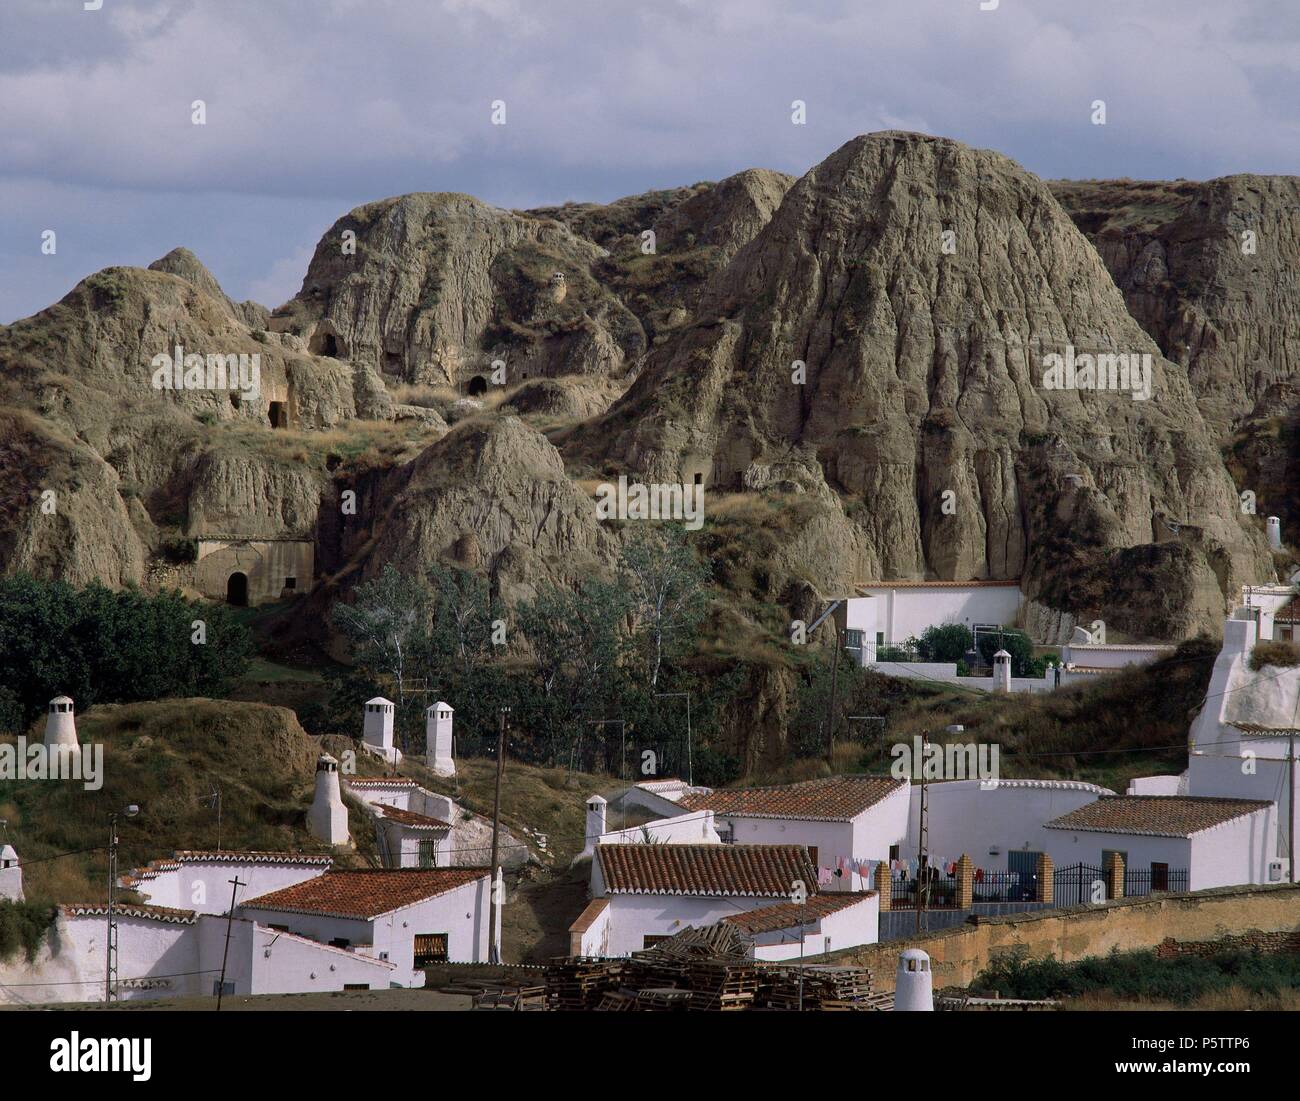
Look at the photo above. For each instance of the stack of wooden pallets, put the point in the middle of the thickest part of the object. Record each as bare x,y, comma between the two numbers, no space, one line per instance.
719,985
580,983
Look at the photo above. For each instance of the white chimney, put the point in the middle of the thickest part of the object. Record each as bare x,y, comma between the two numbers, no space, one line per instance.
914,986
60,728
437,739
1001,671
378,730
596,808
11,874
1274,528
328,817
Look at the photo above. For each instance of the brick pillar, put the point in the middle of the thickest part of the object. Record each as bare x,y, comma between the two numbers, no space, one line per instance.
884,886
965,883
1046,872
1114,872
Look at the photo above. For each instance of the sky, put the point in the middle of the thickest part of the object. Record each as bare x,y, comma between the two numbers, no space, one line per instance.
315,106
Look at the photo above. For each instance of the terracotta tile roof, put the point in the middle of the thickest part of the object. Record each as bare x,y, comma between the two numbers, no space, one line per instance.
595,908
410,818
787,915
1289,612
131,909
1155,815
365,892
713,870
834,799
912,584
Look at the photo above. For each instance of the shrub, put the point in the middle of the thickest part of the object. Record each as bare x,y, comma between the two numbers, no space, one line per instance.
1015,643
1282,654
23,925
949,642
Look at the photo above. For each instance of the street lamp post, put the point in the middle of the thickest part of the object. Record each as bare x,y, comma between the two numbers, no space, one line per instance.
110,961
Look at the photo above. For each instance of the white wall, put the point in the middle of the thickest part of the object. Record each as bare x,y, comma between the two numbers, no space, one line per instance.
1158,785
689,828
967,819
162,953
903,613
1066,847
204,885
1111,656
283,963
461,913
1236,852
846,928
633,917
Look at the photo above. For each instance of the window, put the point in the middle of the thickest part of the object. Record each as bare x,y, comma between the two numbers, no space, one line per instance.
290,582
812,854
279,928
430,948
880,638
340,942
428,854
650,940
356,986
1159,877
893,852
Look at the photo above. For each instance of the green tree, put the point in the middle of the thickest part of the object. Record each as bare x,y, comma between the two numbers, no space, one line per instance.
948,642
665,585
1018,645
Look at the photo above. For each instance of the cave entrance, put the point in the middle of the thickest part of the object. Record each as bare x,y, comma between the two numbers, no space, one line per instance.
279,415
477,385
237,590
324,344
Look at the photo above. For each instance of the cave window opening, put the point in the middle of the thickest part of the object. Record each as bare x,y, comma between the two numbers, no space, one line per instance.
235,399
237,590
325,344
699,479
477,385
290,582
279,416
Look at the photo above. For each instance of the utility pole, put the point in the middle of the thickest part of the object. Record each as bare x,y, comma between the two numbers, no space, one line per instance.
110,965
235,884
494,953
110,954
830,717
922,852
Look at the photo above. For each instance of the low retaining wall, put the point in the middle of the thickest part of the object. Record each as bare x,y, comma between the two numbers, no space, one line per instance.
957,955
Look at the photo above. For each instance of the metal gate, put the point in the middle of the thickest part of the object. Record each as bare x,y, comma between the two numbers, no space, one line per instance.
1024,865
1072,885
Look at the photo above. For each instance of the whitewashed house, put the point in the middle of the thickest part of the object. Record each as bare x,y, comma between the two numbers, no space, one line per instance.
1221,842
825,923
841,820
416,826
167,952
200,880
408,917
1000,824
413,825
888,613
642,894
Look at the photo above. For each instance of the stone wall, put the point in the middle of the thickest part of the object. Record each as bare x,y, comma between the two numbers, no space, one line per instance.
1266,915
266,564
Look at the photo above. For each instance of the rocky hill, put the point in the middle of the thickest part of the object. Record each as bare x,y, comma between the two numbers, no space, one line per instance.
852,363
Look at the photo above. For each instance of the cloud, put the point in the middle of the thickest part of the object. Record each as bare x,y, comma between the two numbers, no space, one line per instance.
316,103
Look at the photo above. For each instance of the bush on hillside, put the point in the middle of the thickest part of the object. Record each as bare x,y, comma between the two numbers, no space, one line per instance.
23,925
948,642
1275,652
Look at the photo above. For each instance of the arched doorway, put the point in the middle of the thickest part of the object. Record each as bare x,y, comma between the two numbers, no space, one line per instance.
477,385
237,590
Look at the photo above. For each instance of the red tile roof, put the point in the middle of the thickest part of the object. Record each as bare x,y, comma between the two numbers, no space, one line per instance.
834,799
410,818
1289,612
788,915
1265,731
713,870
131,909
365,892
1155,815
595,908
